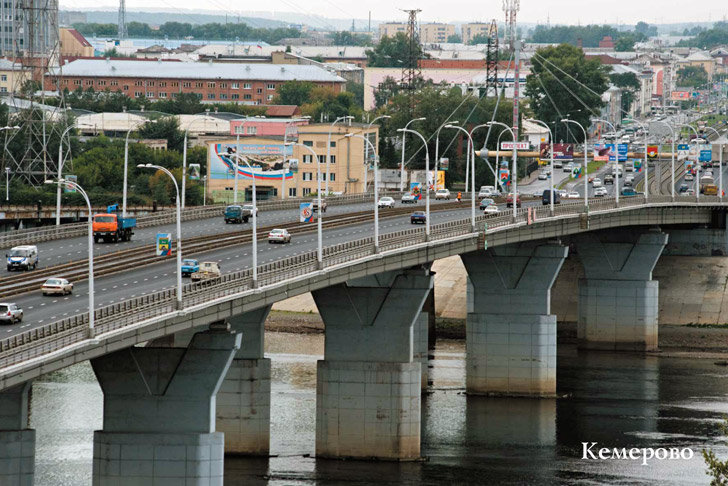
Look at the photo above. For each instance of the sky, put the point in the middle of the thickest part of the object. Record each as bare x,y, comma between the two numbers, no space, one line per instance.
532,11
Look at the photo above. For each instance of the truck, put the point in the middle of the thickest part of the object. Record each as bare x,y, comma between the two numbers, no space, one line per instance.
314,205
111,226
207,271
237,214
189,266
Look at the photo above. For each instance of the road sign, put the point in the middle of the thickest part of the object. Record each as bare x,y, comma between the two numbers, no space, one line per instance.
706,155
164,244
652,151
516,145
306,210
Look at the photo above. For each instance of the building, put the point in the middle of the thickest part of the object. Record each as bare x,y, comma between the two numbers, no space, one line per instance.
436,33
118,124
468,31
251,84
267,127
74,44
346,170
11,13
277,54
607,43
390,29
701,59
8,76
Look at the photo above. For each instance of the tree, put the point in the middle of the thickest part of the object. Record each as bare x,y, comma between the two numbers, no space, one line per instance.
646,29
625,44
692,76
454,39
391,52
629,84
293,93
346,38
357,89
577,94
325,101
166,128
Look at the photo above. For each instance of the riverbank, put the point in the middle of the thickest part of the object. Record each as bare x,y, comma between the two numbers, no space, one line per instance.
696,341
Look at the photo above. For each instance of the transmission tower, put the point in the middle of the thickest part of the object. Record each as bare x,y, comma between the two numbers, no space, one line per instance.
411,70
511,7
123,34
491,60
36,47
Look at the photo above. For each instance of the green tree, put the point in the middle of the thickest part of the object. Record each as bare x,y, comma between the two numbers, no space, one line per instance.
454,39
391,52
167,128
325,101
692,76
625,44
580,94
629,84
357,89
293,93
346,38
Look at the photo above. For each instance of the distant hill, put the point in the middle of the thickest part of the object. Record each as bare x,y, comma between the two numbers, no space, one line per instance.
158,18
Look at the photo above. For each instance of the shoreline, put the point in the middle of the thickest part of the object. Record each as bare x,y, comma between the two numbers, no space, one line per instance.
677,341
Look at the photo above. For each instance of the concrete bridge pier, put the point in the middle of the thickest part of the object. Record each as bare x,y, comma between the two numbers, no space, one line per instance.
243,402
368,390
159,412
17,441
510,334
618,300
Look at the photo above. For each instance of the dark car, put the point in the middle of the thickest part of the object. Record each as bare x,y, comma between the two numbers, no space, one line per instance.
608,179
485,203
546,197
683,188
418,217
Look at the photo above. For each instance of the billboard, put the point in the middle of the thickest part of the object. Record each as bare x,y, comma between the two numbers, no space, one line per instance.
193,171
683,151
652,151
71,186
562,151
602,152
706,155
444,163
222,158
505,176
164,244
438,182
680,95
306,212
622,151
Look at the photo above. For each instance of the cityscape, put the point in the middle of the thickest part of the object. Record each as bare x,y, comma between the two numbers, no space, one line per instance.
363,244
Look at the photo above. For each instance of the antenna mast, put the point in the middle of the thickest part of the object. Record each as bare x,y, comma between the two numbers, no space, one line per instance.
411,69
123,33
491,60
511,7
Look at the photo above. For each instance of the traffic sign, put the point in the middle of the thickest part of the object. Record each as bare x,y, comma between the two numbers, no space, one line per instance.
516,145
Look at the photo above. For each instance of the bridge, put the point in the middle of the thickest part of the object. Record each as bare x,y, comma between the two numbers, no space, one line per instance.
196,376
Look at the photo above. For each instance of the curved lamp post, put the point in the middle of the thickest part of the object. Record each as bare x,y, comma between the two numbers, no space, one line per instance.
376,188
427,175
320,252
697,162
239,157
179,229
404,142
616,159
366,150
437,142
328,150
551,139
720,162
60,176
126,161
647,167
467,161
672,133
514,171
285,141
586,141
184,155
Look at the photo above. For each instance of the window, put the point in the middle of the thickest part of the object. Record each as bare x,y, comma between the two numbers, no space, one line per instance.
247,97
236,96
162,94
333,159
259,91
114,82
252,130
306,191
270,97
162,84
150,83
125,87
175,84
210,85
307,158
174,95
322,159
101,82
211,96
308,176
223,96
77,82
89,82
308,143
247,86
199,96
198,85
138,83
186,85
332,144
332,177
3,89
137,94
150,94
235,86
223,85
291,192
271,86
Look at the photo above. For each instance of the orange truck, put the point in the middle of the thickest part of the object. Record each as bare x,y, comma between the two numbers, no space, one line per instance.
110,226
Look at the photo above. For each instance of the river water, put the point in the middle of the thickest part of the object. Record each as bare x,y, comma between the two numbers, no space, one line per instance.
617,400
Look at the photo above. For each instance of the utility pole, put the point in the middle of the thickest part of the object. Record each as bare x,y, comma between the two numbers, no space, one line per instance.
411,70
491,60
511,7
123,34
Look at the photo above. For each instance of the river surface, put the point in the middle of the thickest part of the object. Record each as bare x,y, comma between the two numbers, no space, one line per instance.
617,400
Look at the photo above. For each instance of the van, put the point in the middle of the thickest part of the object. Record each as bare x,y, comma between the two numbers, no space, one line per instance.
547,197
22,258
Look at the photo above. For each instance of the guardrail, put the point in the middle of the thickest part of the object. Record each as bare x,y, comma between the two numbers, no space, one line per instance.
56,335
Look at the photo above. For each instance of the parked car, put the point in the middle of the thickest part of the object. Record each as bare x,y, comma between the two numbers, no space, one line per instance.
10,313
409,198
207,271
22,257
279,235
442,194
56,285
600,192
486,202
509,200
491,210
546,197
386,202
418,217
189,266
596,182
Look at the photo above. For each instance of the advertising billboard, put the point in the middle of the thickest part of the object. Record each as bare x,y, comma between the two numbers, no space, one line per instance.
622,151
71,186
680,95
602,152
683,151
266,158
193,171
164,244
444,163
562,151
652,151
306,212
706,155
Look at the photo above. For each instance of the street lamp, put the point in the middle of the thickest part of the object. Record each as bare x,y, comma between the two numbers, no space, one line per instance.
472,162
376,188
204,190
467,161
126,161
647,167
514,171
672,133
7,184
427,175
60,169
285,141
616,157
184,156
551,139
586,140
366,150
320,252
328,150
697,162
238,157
720,162
74,185
404,142
437,142
179,229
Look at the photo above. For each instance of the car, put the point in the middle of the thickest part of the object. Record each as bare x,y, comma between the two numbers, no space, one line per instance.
442,194
600,192
628,191
537,194
689,177
491,210
608,179
562,193
55,285
22,257
558,164
486,202
487,191
279,235
250,208
418,217
689,192
10,313
207,271
509,200
543,176
573,195
596,182
189,266
568,167
683,188
629,180
546,197
386,202
409,198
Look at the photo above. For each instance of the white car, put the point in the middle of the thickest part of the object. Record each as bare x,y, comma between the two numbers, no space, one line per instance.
543,176
250,207
386,202
596,182
279,235
573,195
492,209
568,167
56,285
409,198
442,194
689,177
600,192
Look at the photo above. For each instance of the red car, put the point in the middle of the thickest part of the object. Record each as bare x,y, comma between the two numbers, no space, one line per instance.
509,200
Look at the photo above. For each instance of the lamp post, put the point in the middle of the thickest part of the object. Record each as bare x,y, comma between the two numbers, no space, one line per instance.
376,188
328,150
285,141
514,171
616,158
204,190
126,164
320,252
427,174
366,151
720,163
472,162
467,161
60,169
7,184
586,183
551,139
179,228
184,156
404,142
697,162
74,185
672,133
647,167
437,143
238,157
497,160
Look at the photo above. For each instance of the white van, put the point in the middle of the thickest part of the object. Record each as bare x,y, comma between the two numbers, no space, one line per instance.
22,258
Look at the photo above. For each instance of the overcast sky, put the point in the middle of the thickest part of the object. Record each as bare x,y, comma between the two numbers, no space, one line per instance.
559,11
